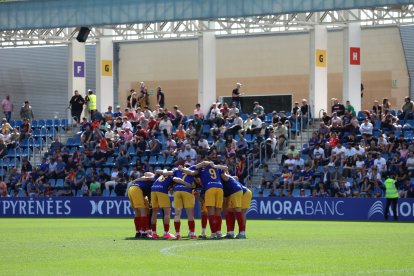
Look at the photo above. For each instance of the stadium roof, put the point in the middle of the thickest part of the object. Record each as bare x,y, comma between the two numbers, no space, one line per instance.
40,22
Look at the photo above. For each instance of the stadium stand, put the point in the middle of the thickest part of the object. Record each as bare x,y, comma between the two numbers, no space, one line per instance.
333,157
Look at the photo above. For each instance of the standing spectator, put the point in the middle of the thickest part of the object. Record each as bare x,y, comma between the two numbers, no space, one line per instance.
132,99
179,117
305,113
198,111
76,106
235,96
90,100
391,194
338,107
144,96
7,107
160,97
26,111
350,108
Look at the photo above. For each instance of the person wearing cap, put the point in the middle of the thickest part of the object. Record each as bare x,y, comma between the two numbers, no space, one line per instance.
90,100
118,112
391,195
235,96
259,110
26,111
76,106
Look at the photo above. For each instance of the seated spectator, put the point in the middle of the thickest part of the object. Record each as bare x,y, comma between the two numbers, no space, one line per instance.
259,110
3,190
154,146
95,187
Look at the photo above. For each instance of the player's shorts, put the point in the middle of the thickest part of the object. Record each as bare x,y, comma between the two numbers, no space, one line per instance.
160,200
137,198
235,200
185,199
214,198
246,199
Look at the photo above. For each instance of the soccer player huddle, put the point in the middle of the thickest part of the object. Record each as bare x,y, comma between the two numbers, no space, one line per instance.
212,184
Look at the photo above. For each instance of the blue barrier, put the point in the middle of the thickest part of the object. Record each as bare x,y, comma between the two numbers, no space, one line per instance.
327,209
370,209
80,207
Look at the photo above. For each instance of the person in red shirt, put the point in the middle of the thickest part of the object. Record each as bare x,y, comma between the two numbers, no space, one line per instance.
225,110
141,132
334,140
152,125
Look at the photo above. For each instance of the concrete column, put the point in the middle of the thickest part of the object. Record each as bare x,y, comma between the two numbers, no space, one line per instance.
206,70
318,83
76,70
352,65
104,74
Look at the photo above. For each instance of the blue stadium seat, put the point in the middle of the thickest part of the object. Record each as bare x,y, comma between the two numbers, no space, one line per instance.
105,192
52,183
161,160
60,183
153,160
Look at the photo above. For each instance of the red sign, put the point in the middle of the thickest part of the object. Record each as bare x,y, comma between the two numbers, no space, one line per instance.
355,56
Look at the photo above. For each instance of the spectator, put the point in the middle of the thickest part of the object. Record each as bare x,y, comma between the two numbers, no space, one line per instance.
76,106
90,100
305,113
165,126
26,111
350,108
259,110
407,109
366,128
3,190
95,187
337,107
160,97
8,107
235,96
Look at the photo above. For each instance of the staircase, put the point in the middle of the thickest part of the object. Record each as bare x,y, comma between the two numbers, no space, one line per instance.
407,39
274,162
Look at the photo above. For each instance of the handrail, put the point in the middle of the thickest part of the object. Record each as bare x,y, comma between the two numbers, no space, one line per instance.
323,110
260,152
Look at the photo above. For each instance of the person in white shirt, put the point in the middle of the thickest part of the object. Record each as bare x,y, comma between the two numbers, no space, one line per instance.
126,124
109,134
214,113
318,153
114,179
338,154
380,163
359,150
366,127
147,112
171,147
256,123
165,126
336,119
289,163
350,152
299,162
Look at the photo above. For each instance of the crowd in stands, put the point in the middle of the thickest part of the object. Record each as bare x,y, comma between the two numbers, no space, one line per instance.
348,155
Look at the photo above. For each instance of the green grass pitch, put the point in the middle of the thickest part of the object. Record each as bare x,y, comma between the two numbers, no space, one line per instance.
105,247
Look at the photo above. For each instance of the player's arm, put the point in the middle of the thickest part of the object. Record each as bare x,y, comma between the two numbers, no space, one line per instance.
182,182
168,173
145,178
189,172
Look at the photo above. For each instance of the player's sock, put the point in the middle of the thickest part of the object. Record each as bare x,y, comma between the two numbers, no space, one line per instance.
166,228
137,224
230,219
154,227
204,219
191,226
145,224
212,222
218,224
177,226
240,221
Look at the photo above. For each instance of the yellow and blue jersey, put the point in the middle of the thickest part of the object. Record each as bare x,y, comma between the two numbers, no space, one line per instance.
231,186
145,186
210,177
187,178
162,184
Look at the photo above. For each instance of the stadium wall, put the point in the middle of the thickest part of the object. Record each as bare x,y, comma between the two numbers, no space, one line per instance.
265,64
343,209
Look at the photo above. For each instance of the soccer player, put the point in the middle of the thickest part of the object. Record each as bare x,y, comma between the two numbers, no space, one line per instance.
160,199
211,180
183,198
233,197
138,194
247,198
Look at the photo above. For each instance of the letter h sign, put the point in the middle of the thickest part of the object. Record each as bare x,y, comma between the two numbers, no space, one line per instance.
355,56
